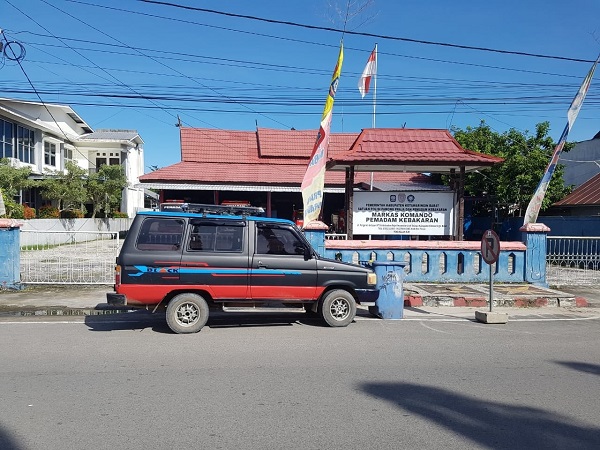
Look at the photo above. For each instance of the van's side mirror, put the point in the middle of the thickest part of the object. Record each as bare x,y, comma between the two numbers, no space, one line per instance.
307,253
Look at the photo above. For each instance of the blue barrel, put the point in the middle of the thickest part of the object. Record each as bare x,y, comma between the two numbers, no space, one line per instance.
390,279
10,254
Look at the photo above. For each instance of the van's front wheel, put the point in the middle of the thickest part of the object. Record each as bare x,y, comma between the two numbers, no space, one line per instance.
187,313
337,308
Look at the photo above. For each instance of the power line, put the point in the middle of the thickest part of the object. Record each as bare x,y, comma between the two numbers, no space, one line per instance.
356,33
155,60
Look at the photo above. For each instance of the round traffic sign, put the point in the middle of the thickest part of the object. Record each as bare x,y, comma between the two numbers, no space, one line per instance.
490,246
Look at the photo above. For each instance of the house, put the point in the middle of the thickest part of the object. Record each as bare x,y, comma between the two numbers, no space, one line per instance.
45,137
582,162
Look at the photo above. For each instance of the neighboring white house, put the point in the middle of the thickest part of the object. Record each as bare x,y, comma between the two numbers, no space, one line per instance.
46,136
582,163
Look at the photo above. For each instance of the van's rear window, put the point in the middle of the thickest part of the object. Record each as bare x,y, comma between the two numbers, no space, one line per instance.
160,234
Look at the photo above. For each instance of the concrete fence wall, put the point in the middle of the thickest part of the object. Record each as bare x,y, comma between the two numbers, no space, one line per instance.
39,231
444,261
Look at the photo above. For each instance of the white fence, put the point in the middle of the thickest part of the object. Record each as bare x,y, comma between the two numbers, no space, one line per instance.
572,260
68,257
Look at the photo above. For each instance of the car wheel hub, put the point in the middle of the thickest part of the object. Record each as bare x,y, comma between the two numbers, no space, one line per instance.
339,309
187,314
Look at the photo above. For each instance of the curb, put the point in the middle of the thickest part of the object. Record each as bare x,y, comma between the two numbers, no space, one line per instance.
480,302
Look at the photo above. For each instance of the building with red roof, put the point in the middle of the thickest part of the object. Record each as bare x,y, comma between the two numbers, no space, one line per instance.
265,167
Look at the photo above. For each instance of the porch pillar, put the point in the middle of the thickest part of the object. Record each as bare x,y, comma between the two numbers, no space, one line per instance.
349,200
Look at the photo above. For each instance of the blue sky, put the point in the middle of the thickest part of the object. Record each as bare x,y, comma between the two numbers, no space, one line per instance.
132,64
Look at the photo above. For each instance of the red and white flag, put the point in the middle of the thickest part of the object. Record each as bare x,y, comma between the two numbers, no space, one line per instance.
369,72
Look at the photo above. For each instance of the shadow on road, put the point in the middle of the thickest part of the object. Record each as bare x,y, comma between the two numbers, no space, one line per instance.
489,424
594,369
142,319
8,442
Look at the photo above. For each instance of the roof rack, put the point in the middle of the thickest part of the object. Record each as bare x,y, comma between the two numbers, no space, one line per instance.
200,208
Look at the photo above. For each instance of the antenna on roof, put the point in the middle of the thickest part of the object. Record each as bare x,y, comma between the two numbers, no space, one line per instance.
256,122
178,124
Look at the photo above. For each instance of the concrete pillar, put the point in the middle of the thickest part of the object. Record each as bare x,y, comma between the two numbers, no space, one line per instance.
315,233
10,254
535,256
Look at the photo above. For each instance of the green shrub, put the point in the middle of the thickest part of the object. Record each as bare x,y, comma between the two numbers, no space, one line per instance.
72,214
15,211
48,212
120,215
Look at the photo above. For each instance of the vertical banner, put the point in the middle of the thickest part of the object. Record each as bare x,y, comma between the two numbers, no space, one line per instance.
314,178
535,204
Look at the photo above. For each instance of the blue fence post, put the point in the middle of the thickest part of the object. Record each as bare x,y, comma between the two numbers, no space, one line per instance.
10,254
535,255
315,233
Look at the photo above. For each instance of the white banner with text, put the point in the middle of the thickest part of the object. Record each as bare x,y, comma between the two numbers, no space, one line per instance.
403,213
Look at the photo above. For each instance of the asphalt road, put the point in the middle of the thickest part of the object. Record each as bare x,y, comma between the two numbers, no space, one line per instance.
282,381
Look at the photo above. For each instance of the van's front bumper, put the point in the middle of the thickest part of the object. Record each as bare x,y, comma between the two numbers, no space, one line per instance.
367,297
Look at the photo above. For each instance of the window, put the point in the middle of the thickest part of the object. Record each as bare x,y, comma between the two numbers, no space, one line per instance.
49,154
25,145
68,154
158,234
216,236
278,241
6,139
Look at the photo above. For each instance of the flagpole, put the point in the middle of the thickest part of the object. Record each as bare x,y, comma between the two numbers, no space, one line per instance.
374,100
375,87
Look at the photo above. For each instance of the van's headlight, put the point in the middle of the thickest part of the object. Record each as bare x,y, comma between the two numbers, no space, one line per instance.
372,278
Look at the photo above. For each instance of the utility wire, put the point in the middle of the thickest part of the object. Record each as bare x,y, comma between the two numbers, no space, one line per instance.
18,59
159,62
356,33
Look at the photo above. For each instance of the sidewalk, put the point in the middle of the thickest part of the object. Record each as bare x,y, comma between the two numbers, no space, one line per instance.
421,300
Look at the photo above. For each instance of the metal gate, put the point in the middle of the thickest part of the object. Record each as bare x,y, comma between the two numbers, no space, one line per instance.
68,257
572,260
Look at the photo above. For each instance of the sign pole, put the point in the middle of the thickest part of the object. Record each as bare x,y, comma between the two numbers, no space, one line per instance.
490,252
491,287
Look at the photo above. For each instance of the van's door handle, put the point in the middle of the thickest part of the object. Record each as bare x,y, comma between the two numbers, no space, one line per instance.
260,265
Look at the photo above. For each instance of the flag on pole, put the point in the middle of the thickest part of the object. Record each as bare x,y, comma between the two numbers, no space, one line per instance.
370,71
535,203
314,178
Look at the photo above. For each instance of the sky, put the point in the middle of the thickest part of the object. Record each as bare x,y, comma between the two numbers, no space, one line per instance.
238,64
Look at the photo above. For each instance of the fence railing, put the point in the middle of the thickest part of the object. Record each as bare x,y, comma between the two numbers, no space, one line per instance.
68,257
435,261
572,260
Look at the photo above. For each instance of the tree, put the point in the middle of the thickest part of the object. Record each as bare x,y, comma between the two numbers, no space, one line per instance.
69,189
12,180
104,189
526,157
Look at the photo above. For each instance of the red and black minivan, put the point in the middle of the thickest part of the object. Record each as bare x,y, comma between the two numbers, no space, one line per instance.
198,258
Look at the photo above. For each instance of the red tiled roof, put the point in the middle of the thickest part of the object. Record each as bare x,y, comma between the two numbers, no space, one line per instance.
283,174
586,194
299,143
267,156
388,146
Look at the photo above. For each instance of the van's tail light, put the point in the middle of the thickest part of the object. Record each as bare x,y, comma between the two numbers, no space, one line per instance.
117,275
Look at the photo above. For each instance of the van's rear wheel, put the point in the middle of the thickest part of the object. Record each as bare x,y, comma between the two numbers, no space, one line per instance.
337,308
187,313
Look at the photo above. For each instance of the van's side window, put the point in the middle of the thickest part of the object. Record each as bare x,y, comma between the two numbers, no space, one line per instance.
277,241
210,237
160,234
